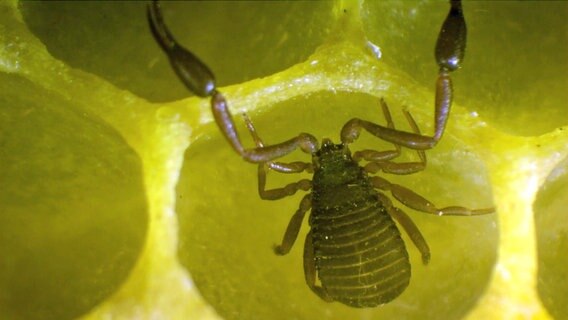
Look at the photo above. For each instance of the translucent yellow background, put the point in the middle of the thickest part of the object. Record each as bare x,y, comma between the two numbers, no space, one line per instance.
119,199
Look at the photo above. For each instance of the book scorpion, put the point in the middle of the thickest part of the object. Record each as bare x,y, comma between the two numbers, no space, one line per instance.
353,247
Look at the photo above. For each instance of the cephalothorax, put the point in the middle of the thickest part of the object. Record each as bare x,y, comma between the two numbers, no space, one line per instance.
354,246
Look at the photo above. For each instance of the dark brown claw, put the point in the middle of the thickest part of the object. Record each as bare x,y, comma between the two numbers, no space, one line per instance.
191,71
450,48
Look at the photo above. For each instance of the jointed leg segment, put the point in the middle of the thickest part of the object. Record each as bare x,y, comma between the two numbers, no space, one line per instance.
304,141
279,193
388,166
373,155
415,201
292,167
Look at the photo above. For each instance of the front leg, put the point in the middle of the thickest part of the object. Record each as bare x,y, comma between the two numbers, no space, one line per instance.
279,193
373,155
293,167
400,168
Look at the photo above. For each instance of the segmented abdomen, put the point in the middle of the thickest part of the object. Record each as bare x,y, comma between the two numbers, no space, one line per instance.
360,257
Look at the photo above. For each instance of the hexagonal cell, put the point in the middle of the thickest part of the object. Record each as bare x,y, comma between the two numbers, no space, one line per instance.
73,212
239,40
227,232
552,241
